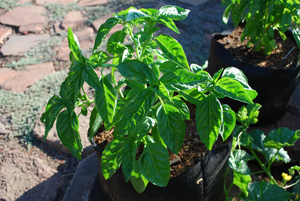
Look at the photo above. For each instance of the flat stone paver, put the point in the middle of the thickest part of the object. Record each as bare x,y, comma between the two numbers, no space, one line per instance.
45,2
17,45
73,20
29,18
4,33
17,169
194,2
19,81
92,2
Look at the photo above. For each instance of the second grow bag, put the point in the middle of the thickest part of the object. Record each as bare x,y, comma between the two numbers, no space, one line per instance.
202,182
274,86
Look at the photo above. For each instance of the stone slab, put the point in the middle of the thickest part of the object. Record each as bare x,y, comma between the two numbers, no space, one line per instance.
19,81
29,18
295,102
73,20
17,45
53,140
194,2
4,33
92,2
83,180
20,172
45,2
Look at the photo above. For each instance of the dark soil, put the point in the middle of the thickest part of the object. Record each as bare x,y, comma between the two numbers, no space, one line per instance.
233,44
189,155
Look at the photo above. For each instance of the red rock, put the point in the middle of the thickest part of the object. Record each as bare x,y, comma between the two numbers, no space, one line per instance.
4,33
92,2
29,18
194,2
17,45
19,81
63,2
23,1
73,20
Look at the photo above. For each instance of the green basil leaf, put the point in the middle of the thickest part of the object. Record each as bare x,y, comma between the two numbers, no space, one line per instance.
265,191
217,75
182,107
173,12
74,45
99,58
128,157
103,31
91,78
226,13
183,79
67,131
123,14
162,91
156,136
138,181
155,164
242,181
111,158
238,75
106,99
193,96
134,14
168,66
229,119
281,137
116,38
95,123
142,128
209,117
54,106
233,89
172,50
134,70
168,22
296,35
171,126
70,88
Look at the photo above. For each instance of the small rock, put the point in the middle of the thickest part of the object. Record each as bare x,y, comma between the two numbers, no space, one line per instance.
20,172
4,33
194,2
29,18
83,180
17,45
92,2
19,81
73,20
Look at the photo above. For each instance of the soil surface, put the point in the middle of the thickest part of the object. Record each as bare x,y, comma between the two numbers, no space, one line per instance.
240,50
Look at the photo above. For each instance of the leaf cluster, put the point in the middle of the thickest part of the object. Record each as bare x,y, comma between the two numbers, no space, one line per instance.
262,18
151,112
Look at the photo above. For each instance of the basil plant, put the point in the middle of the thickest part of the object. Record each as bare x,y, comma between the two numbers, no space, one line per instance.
262,18
151,112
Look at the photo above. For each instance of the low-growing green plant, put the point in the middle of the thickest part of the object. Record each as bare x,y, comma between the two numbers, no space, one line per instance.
265,150
151,113
262,18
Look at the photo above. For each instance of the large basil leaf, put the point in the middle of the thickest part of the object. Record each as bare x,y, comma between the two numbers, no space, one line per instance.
172,50
209,117
182,107
183,79
193,96
103,31
116,38
54,106
95,122
99,58
168,66
106,99
134,70
173,12
265,191
67,131
138,181
74,45
162,91
238,75
111,158
91,78
168,22
278,138
171,126
128,157
233,89
142,128
70,88
229,120
155,164
134,14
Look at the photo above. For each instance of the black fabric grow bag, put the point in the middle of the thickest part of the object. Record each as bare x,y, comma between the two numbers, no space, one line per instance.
202,182
274,86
